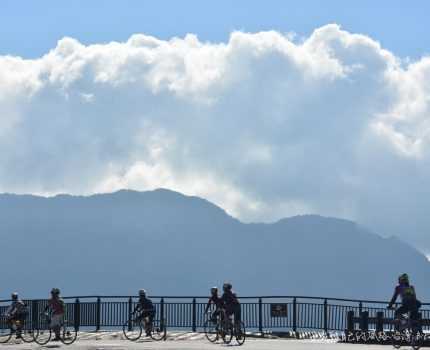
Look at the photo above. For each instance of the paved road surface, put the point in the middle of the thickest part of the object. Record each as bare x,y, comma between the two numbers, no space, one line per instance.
192,343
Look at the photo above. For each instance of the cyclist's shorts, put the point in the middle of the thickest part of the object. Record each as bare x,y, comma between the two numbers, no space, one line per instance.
56,320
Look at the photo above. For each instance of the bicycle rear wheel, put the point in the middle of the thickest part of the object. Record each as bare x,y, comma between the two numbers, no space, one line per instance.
158,330
68,333
5,335
240,333
211,330
42,336
132,330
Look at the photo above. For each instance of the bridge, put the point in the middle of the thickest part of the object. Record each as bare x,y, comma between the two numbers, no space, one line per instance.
322,321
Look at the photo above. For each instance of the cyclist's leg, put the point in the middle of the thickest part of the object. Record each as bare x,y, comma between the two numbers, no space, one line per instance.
56,321
398,315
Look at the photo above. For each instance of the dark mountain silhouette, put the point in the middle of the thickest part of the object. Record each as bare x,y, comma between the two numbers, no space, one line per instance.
172,244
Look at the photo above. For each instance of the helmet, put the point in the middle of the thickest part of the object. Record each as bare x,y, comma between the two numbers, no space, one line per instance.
142,292
227,286
55,291
404,278
214,290
14,296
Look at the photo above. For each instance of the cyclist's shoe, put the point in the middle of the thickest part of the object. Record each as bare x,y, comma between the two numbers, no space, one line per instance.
18,336
148,333
56,339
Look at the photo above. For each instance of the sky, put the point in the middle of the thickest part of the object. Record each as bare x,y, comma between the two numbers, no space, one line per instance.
267,110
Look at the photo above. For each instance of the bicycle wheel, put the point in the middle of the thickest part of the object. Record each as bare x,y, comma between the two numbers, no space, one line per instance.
132,330
240,333
416,340
27,335
158,330
226,331
5,335
397,339
42,336
211,330
68,333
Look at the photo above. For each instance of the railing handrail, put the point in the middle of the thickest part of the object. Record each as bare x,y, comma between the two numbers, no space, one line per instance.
322,299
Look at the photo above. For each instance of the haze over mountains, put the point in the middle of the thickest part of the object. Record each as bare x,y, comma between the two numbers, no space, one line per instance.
172,244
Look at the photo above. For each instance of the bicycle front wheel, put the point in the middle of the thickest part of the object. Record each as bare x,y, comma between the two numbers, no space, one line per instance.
416,340
27,335
211,330
226,332
68,333
132,330
240,333
397,339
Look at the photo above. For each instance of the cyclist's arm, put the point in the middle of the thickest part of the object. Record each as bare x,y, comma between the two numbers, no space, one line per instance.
208,305
394,298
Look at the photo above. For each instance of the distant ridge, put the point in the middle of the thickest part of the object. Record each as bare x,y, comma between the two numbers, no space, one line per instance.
170,243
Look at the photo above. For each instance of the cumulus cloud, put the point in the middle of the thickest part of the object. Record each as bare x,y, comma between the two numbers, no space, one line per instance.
262,125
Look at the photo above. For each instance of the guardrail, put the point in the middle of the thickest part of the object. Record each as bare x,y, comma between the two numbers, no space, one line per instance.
263,314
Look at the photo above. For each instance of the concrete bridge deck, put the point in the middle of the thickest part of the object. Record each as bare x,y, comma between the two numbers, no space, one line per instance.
185,341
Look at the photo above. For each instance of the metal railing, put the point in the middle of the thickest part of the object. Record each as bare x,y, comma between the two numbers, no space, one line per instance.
299,313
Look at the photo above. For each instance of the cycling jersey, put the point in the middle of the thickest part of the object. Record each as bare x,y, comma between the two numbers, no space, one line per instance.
57,306
229,298
145,304
216,300
406,292
17,308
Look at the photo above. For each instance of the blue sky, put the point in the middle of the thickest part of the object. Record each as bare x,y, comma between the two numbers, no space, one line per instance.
31,28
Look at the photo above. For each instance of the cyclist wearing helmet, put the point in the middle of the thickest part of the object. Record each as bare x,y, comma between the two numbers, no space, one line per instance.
17,313
57,307
231,303
145,308
216,300
408,297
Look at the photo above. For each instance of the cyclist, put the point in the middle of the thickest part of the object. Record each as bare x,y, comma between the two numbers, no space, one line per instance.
57,306
145,308
231,303
408,297
217,301
17,313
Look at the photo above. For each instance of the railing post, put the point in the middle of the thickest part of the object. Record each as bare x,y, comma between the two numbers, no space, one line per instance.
295,316
35,314
98,314
194,315
379,321
77,314
360,307
325,317
130,310
163,322
364,321
260,316
350,321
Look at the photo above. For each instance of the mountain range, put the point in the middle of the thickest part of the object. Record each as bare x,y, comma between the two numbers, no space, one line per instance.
172,244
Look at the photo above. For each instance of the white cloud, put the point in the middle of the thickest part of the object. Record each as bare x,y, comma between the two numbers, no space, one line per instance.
262,125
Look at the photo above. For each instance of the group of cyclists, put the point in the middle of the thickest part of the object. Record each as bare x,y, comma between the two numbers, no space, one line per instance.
18,312
227,304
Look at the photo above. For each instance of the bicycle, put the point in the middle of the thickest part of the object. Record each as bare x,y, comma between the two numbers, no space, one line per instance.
224,328
134,326
407,332
18,327
42,335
